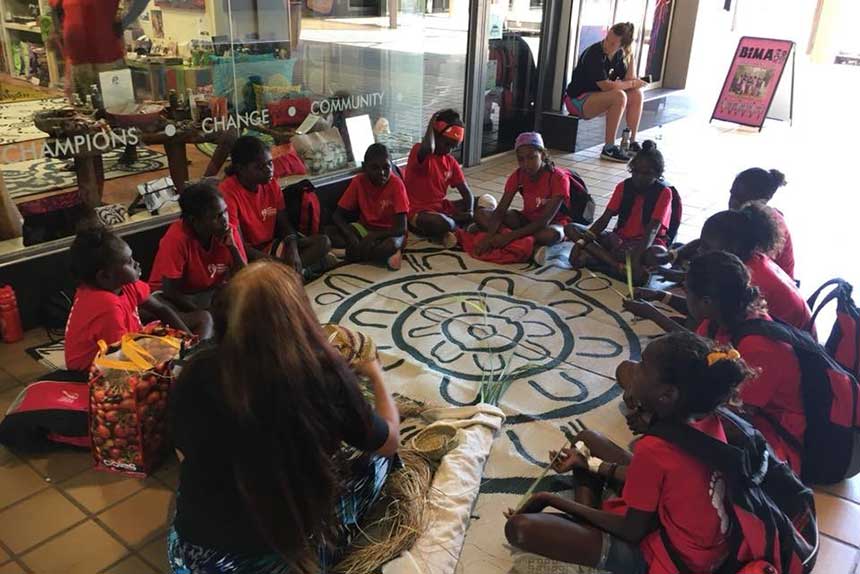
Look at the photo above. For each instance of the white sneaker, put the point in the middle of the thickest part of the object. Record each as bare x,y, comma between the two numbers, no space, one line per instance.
449,240
539,256
487,201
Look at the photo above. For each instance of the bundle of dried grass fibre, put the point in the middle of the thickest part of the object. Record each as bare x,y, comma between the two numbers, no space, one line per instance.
396,521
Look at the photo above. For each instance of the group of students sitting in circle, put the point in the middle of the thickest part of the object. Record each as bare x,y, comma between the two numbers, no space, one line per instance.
256,491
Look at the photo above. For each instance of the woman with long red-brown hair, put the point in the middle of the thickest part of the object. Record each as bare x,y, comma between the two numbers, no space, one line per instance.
259,420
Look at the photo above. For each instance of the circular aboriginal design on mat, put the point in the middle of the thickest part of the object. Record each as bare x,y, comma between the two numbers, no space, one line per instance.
450,330
479,333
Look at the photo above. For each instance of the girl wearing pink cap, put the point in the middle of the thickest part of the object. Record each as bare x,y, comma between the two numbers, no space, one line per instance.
545,191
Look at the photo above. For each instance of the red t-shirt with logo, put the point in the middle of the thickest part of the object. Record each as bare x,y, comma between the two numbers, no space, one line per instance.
97,315
776,389
783,298
785,256
181,256
377,206
88,31
537,192
254,212
633,229
427,182
688,497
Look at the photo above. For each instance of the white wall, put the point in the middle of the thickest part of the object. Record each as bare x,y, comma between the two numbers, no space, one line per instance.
717,33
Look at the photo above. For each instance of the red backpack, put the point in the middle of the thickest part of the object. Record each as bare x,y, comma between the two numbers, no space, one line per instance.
843,344
628,198
303,207
49,412
773,525
831,404
581,208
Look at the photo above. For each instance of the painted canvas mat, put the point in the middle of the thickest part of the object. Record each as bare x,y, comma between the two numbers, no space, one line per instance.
445,320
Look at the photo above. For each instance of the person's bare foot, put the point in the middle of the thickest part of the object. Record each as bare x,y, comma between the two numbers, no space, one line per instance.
576,258
395,261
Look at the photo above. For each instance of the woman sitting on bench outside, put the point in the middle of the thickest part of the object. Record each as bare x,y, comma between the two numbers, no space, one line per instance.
604,81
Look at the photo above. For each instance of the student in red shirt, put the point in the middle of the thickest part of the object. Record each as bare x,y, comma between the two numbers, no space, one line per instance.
199,252
370,219
109,297
88,35
545,190
721,296
256,205
748,233
430,171
757,184
594,246
682,378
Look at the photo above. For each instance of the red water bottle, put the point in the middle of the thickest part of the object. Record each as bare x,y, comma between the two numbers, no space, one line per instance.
10,319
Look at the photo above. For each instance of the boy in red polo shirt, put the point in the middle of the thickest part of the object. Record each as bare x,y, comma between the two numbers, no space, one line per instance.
108,299
430,171
255,204
378,201
199,252
608,251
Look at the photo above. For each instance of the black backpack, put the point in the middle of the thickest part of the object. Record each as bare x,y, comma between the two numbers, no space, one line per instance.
628,197
831,404
772,513
843,344
581,209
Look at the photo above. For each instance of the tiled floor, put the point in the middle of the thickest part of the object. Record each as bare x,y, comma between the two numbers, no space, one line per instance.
58,515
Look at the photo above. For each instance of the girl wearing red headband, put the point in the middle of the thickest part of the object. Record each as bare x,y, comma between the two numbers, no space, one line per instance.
430,172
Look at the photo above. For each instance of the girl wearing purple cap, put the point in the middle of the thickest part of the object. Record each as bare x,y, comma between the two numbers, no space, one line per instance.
545,190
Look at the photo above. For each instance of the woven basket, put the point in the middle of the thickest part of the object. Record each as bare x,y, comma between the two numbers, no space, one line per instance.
436,441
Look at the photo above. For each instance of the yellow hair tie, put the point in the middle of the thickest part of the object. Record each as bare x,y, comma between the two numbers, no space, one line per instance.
717,356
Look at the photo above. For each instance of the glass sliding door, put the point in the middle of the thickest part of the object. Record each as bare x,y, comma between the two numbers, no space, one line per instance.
651,19
594,21
658,18
632,11
511,72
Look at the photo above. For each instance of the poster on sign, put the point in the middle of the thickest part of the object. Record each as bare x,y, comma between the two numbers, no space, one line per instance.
752,81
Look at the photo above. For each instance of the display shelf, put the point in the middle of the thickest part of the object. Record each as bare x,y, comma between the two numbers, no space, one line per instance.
11,31
34,28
